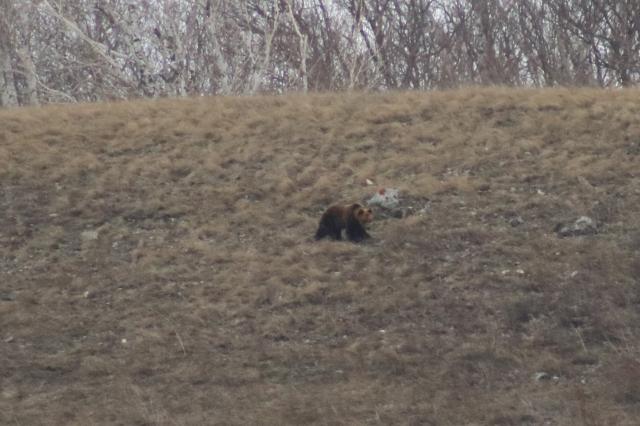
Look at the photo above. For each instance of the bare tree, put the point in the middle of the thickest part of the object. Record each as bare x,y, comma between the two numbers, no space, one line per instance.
297,24
87,50
8,94
612,31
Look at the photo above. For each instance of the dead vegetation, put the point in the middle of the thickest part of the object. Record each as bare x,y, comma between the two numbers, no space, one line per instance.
157,263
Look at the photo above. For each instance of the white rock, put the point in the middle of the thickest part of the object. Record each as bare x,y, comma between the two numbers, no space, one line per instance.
385,197
90,235
541,375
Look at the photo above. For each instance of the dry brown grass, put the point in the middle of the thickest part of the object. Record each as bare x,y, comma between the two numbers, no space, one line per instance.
204,210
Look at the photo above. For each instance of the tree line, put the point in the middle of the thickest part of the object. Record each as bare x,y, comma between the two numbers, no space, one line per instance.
89,50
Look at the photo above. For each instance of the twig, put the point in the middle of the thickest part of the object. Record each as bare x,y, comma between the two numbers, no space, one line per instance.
584,346
184,351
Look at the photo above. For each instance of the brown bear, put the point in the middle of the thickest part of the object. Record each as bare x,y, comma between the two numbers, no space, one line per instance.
351,217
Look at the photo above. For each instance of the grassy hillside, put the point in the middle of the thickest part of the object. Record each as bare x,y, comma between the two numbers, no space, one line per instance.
157,266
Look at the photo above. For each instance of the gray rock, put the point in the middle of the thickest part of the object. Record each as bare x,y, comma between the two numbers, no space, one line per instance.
7,296
541,375
385,197
583,225
516,221
397,213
